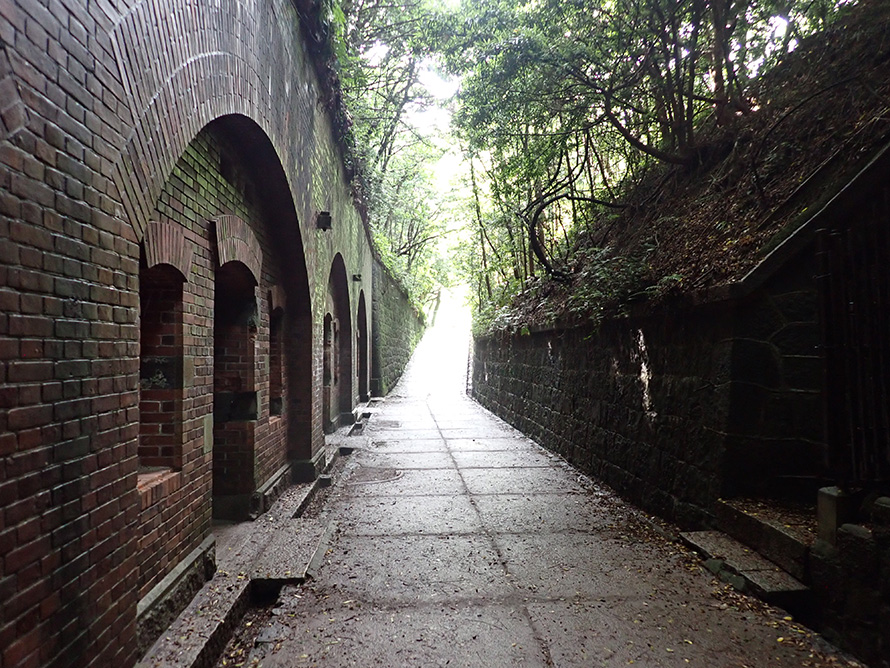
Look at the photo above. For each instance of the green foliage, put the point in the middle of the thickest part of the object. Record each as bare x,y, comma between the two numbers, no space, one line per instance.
381,55
606,281
566,104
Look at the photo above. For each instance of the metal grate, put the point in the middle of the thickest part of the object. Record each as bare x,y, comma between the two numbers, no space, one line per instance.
855,290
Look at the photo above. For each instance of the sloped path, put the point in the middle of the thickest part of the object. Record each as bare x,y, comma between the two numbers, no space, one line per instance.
461,543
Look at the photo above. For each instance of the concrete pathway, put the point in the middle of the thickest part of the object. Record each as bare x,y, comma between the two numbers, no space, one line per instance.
459,542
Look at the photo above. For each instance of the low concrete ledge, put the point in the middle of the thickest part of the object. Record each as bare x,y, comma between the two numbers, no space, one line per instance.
307,470
280,549
170,596
291,557
197,639
748,571
262,499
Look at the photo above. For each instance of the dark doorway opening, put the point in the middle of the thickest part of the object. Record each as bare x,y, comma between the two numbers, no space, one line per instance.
338,350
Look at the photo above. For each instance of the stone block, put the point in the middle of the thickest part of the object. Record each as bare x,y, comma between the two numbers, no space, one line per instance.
798,339
858,553
797,306
833,508
755,362
803,372
880,511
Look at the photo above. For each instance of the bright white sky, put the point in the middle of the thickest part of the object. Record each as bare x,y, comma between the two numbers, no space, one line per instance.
435,123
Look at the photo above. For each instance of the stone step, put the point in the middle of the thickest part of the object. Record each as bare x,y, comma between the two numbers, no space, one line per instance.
748,571
781,535
291,555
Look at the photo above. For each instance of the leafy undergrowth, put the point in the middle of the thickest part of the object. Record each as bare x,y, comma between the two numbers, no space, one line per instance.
817,118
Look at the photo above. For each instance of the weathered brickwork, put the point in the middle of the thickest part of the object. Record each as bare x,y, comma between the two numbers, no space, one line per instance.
176,519
69,351
680,407
397,327
128,129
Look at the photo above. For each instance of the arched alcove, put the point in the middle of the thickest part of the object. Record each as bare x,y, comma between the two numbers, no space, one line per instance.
338,349
235,401
287,305
361,341
160,366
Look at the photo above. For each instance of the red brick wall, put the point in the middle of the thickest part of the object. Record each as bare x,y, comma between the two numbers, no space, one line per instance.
226,350
93,148
277,379
160,391
68,346
234,363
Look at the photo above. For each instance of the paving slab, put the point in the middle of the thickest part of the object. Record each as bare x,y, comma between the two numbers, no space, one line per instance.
330,630
475,459
405,460
488,444
413,569
387,481
521,481
533,513
402,434
569,565
658,632
403,445
382,516
478,431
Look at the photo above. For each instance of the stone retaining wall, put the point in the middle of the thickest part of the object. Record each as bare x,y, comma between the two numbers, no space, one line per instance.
632,405
678,407
396,327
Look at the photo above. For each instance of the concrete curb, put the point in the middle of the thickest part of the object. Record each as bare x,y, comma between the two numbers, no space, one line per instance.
746,570
284,549
159,607
199,634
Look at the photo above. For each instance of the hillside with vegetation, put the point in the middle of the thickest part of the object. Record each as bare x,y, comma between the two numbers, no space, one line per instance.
648,148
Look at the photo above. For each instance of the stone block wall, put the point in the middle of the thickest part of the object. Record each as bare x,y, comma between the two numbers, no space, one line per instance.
681,406
635,404
396,329
775,442
851,585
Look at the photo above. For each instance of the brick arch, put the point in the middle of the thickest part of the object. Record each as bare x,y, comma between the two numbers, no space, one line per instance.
166,244
235,241
341,350
154,145
228,59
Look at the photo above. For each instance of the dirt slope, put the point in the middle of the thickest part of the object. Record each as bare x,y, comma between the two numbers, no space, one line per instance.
818,117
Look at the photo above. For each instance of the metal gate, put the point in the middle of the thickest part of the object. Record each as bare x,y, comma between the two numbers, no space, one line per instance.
854,250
